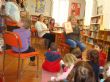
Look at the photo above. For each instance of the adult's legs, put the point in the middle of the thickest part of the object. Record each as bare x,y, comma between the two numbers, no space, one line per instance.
71,43
50,37
81,45
11,28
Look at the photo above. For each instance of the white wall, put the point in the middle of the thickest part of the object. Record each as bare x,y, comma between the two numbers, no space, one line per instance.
106,13
31,5
94,10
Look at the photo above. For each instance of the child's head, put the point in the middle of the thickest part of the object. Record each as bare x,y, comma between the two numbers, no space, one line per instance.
53,47
93,55
83,72
99,47
25,23
107,70
77,52
69,59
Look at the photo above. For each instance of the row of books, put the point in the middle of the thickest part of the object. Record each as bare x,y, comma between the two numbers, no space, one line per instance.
96,20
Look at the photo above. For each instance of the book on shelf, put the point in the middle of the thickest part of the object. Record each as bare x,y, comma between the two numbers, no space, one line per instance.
108,38
90,40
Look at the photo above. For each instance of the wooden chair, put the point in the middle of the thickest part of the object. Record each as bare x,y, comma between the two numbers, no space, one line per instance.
13,39
61,42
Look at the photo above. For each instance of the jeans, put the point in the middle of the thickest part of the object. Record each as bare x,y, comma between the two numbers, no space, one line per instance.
74,44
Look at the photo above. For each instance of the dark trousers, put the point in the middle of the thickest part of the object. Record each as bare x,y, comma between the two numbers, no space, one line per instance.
50,37
11,28
30,49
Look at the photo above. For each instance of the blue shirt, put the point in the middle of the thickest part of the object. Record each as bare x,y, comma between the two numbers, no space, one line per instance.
52,55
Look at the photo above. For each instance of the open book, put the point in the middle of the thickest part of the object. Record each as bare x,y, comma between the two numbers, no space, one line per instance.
68,27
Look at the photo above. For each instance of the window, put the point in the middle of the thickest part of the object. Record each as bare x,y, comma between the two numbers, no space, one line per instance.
60,11
88,12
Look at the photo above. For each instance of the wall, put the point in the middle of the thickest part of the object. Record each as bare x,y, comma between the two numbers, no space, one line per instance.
82,10
31,5
106,13
94,10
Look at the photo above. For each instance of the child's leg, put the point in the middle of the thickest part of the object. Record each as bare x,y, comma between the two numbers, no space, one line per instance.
30,49
32,58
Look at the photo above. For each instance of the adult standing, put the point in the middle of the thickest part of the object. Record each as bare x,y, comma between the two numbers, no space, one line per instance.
43,31
13,14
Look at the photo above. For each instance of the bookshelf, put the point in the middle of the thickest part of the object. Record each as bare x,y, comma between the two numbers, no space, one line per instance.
81,24
96,34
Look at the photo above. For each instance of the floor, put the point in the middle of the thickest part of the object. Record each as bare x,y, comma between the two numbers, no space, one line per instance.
29,74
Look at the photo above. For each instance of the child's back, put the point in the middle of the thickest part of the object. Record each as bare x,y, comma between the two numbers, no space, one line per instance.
24,34
53,60
25,38
52,54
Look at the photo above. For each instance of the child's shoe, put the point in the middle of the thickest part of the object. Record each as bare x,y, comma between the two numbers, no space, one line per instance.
32,63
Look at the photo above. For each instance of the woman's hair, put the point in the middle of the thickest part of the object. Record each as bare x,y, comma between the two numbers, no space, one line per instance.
52,19
69,59
53,47
40,16
77,52
107,70
26,23
93,55
83,72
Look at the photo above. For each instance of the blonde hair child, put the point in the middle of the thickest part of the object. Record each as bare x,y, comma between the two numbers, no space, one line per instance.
69,59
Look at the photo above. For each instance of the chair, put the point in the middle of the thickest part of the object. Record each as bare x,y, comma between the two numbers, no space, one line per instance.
13,39
61,42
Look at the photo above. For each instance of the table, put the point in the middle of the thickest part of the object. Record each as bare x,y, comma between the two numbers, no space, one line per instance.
58,36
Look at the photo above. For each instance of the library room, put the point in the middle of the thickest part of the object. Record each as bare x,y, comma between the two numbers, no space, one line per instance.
54,41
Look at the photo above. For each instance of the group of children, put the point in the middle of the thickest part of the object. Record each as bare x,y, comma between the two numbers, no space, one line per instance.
96,66
93,70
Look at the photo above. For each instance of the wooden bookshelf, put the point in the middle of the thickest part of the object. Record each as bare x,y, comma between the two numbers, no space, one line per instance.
95,34
81,24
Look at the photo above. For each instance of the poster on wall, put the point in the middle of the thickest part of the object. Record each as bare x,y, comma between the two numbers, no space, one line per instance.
40,6
75,9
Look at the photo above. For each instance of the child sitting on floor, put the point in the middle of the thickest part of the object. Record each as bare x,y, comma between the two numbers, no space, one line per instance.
25,36
53,60
102,55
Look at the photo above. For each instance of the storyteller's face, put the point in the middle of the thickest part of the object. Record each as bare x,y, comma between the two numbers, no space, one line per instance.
73,21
